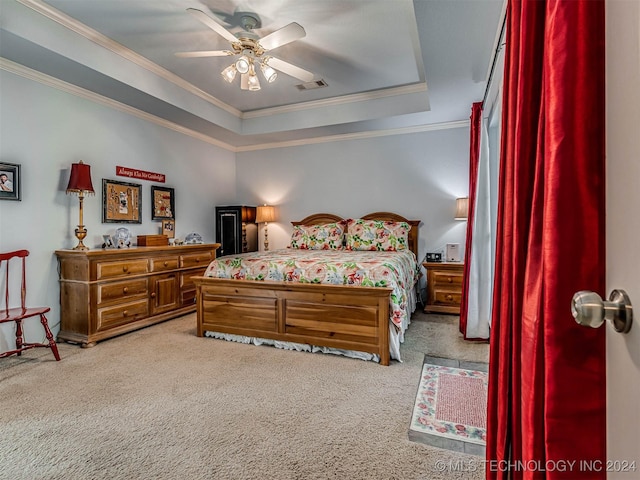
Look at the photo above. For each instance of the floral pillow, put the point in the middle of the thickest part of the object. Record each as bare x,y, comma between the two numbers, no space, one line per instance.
377,235
328,236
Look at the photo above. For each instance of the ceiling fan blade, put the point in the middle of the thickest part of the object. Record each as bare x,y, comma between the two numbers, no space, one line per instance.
205,53
289,69
286,34
212,24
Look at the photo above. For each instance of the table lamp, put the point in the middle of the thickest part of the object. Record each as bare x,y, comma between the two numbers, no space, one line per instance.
80,183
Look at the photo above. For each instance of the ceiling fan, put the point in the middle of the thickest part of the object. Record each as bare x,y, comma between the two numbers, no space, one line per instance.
251,50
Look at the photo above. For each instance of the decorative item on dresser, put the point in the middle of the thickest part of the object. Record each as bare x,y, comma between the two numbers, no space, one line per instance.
444,287
105,293
235,229
80,183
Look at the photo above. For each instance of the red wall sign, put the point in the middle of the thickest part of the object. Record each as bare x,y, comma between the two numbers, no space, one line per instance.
140,174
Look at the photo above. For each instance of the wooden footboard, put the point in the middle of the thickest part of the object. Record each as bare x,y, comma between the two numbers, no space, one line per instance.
347,317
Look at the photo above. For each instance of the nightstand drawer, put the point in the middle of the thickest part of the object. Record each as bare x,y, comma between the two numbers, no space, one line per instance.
453,279
442,297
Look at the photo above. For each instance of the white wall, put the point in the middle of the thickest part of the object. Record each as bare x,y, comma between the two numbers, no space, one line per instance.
623,226
45,130
417,175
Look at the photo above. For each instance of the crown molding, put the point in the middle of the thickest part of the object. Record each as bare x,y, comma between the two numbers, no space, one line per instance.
342,100
50,81
105,42
357,136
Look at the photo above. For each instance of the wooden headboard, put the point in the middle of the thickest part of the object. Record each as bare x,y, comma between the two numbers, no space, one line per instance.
320,218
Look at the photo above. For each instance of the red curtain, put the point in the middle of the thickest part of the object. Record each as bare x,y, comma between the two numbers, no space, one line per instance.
547,389
474,160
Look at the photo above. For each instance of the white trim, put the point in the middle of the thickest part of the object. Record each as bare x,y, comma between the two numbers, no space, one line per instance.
343,100
357,136
50,81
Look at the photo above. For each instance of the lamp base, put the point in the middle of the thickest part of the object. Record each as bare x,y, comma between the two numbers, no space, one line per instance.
81,233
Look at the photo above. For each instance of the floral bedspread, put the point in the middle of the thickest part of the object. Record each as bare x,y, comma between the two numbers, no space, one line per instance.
398,270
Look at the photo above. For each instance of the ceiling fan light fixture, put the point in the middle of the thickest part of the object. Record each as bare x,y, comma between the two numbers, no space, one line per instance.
243,63
254,83
269,73
229,73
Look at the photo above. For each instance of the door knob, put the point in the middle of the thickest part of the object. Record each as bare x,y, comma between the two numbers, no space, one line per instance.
590,310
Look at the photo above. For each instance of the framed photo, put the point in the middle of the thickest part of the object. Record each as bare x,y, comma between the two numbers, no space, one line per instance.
169,228
10,179
162,203
121,202
108,242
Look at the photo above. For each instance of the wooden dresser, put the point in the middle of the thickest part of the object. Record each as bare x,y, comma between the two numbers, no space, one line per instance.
104,293
444,287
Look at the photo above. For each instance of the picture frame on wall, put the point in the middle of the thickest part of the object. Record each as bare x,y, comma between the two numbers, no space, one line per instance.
121,202
10,181
169,228
162,203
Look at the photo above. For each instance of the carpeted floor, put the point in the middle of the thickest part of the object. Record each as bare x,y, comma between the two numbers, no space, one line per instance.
161,403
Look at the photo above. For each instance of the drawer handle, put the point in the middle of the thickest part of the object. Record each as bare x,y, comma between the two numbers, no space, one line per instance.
166,263
449,297
125,269
450,280
125,290
125,313
197,260
153,295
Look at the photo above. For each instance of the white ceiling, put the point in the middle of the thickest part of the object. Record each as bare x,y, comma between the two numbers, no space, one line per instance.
389,64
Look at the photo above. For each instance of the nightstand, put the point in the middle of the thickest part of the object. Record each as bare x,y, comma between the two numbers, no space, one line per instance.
444,287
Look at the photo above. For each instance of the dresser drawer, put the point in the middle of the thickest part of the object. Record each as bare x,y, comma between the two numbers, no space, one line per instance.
202,259
163,264
186,283
443,297
188,287
123,314
121,268
122,290
453,279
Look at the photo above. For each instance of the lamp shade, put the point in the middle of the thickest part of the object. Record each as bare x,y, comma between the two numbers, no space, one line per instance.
248,214
80,178
462,208
265,213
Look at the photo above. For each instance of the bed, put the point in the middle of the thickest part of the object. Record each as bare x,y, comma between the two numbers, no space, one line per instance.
239,299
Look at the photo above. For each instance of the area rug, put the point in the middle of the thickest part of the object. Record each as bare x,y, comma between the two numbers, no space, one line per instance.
451,403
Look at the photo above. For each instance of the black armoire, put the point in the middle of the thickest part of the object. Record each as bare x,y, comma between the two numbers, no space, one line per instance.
236,230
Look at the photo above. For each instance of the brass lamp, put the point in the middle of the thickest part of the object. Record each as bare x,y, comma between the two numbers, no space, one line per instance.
462,208
80,183
265,214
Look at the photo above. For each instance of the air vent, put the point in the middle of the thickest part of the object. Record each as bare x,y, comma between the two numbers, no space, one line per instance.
312,85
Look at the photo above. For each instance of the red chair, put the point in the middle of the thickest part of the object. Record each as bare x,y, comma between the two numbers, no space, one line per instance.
18,314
